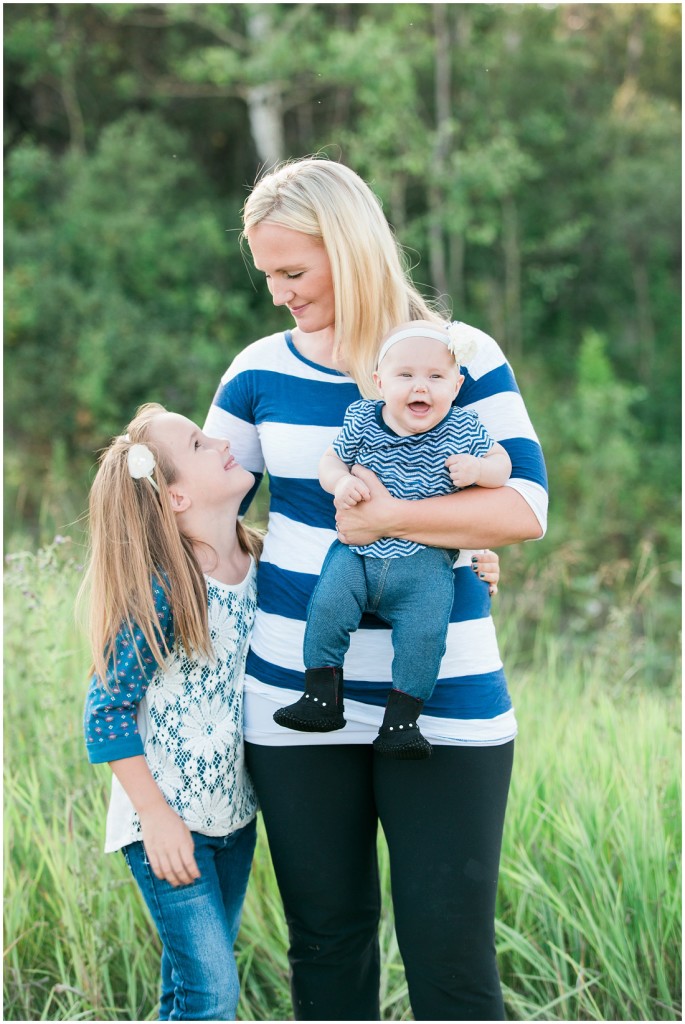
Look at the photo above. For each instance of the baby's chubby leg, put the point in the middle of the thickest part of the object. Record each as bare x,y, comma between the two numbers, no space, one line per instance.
335,609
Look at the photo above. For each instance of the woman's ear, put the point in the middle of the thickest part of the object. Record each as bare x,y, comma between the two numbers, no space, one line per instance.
180,502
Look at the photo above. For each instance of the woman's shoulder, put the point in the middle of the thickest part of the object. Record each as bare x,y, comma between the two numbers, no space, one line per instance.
487,353
259,354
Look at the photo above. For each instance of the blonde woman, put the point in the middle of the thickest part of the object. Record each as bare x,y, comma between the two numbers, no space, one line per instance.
172,594
318,233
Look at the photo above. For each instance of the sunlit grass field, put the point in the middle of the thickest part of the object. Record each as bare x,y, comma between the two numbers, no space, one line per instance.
589,921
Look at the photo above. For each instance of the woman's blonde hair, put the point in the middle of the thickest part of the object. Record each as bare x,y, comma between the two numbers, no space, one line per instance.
371,280
135,539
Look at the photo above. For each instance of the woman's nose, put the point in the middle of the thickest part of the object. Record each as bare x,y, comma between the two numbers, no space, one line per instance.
281,293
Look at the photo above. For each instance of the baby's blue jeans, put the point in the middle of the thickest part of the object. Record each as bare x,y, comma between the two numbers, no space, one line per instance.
198,925
413,594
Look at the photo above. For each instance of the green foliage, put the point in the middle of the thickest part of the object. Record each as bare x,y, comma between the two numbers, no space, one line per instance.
589,907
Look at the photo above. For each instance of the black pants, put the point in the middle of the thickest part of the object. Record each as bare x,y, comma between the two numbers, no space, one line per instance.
443,821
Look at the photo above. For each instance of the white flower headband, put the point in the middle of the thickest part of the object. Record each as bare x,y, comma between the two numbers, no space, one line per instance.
460,339
141,462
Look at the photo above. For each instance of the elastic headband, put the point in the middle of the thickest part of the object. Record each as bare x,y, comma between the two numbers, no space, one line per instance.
458,338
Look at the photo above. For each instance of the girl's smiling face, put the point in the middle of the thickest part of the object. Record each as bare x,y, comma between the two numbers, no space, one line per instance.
206,470
419,379
298,274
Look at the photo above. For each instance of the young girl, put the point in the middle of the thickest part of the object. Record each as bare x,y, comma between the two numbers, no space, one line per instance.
419,444
172,596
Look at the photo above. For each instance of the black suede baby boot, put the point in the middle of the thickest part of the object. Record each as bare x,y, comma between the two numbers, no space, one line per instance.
399,736
320,708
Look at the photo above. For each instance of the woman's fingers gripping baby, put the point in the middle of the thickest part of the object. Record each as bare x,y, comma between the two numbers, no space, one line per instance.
485,564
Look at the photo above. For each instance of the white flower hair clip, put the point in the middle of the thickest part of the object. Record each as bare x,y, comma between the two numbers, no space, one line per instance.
460,340
141,463
463,342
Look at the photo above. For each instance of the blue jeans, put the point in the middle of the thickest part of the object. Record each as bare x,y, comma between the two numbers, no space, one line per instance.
198,925
413,595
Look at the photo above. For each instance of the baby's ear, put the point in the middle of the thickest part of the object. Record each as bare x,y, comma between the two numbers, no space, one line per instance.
179,501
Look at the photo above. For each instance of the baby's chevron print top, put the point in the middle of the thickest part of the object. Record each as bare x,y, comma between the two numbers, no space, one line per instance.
410,467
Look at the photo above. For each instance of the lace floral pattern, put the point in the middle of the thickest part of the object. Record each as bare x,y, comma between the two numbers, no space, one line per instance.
191,720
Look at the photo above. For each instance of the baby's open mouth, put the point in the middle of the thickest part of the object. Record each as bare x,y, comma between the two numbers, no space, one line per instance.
419,406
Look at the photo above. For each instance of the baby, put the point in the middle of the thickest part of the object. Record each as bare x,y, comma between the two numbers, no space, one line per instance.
419,445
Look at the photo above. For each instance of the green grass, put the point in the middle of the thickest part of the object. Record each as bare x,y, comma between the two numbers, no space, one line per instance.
589,918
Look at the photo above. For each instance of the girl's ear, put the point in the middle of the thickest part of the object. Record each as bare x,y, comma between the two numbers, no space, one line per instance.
179,501
377,380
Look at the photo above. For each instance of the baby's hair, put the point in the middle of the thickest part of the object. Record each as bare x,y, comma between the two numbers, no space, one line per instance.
134,540
371,281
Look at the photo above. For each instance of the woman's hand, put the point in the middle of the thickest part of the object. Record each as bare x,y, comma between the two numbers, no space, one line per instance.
372,518
169,845
485,564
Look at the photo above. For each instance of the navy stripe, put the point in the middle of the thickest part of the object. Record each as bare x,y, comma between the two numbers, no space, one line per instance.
266,396
247,500
479,696
302,500
527,460
287,593
496,381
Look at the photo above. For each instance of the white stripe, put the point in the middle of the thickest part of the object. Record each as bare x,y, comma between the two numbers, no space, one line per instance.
363,721
471,648
243,436
294,546
504,415
273,354
536,496
488,356
295,450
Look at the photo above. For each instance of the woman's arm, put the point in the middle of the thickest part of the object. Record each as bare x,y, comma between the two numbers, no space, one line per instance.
473,518
476,517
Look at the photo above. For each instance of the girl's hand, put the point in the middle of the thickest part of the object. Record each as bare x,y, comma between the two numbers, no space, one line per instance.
486,566
371,518
169,845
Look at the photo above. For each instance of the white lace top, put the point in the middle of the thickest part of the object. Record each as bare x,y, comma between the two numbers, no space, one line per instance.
188,723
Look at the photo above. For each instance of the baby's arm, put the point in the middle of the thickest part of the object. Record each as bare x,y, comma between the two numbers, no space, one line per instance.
335,477
490,470
167,839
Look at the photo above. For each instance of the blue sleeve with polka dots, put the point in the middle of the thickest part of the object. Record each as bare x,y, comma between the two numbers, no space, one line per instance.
110,716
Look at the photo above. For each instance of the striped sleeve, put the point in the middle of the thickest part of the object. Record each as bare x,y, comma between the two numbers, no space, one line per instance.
490,390
346,444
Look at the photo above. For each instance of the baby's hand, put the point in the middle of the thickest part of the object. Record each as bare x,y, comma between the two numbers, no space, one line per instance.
464,469
349,491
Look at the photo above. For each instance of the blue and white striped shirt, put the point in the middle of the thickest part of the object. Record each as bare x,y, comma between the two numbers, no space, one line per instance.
411,466
280,412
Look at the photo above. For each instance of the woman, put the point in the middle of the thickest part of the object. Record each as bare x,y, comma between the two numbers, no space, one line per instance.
317,232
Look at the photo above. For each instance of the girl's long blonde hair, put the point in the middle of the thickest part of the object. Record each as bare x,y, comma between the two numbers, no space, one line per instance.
135,539
371,280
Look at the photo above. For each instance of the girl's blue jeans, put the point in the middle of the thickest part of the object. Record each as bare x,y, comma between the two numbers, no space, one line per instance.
413,594
198,925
